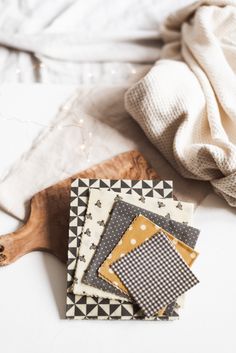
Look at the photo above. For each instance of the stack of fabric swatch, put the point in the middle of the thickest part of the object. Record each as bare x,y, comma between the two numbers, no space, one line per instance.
131,248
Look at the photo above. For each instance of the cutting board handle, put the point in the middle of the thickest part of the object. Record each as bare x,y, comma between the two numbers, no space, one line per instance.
13,244
18,243
47,226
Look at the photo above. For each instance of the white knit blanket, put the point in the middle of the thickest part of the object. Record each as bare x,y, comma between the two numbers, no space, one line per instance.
80,42
186,104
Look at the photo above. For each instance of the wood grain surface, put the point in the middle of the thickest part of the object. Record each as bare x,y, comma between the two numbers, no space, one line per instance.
47,226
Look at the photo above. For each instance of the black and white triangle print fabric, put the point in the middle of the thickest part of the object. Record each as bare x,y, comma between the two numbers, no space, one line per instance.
84,307
88,308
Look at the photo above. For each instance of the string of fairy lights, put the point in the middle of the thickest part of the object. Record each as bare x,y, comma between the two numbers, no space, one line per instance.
86,138
80,73
39,69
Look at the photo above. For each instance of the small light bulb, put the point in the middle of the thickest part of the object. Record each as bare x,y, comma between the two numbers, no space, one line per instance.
65,108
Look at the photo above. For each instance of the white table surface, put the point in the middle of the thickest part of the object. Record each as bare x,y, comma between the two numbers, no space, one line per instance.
32,290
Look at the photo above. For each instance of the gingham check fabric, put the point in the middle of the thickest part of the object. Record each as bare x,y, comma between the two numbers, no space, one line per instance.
154,274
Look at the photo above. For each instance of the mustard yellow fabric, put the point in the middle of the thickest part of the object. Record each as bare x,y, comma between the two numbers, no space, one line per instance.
140,230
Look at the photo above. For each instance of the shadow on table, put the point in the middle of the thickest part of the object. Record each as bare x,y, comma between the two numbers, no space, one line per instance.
215,202
56,271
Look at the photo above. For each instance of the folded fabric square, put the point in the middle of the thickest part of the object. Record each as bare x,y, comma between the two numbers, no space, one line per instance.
99,207
155,274
122,216
83,307
139,231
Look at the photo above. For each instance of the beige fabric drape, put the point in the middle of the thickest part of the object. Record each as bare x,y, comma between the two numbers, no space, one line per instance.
186,104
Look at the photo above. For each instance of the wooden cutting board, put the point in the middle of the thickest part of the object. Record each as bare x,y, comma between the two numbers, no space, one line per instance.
47,226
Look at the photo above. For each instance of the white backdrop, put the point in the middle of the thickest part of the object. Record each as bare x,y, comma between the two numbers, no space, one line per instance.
32,290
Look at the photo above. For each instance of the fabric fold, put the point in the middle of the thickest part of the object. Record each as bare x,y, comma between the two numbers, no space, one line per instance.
186,103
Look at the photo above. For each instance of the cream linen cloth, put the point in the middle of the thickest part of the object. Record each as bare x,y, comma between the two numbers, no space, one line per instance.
186,104
56,154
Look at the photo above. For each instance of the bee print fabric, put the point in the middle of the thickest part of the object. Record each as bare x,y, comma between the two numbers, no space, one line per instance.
155,274
139,231
100,204
122,216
